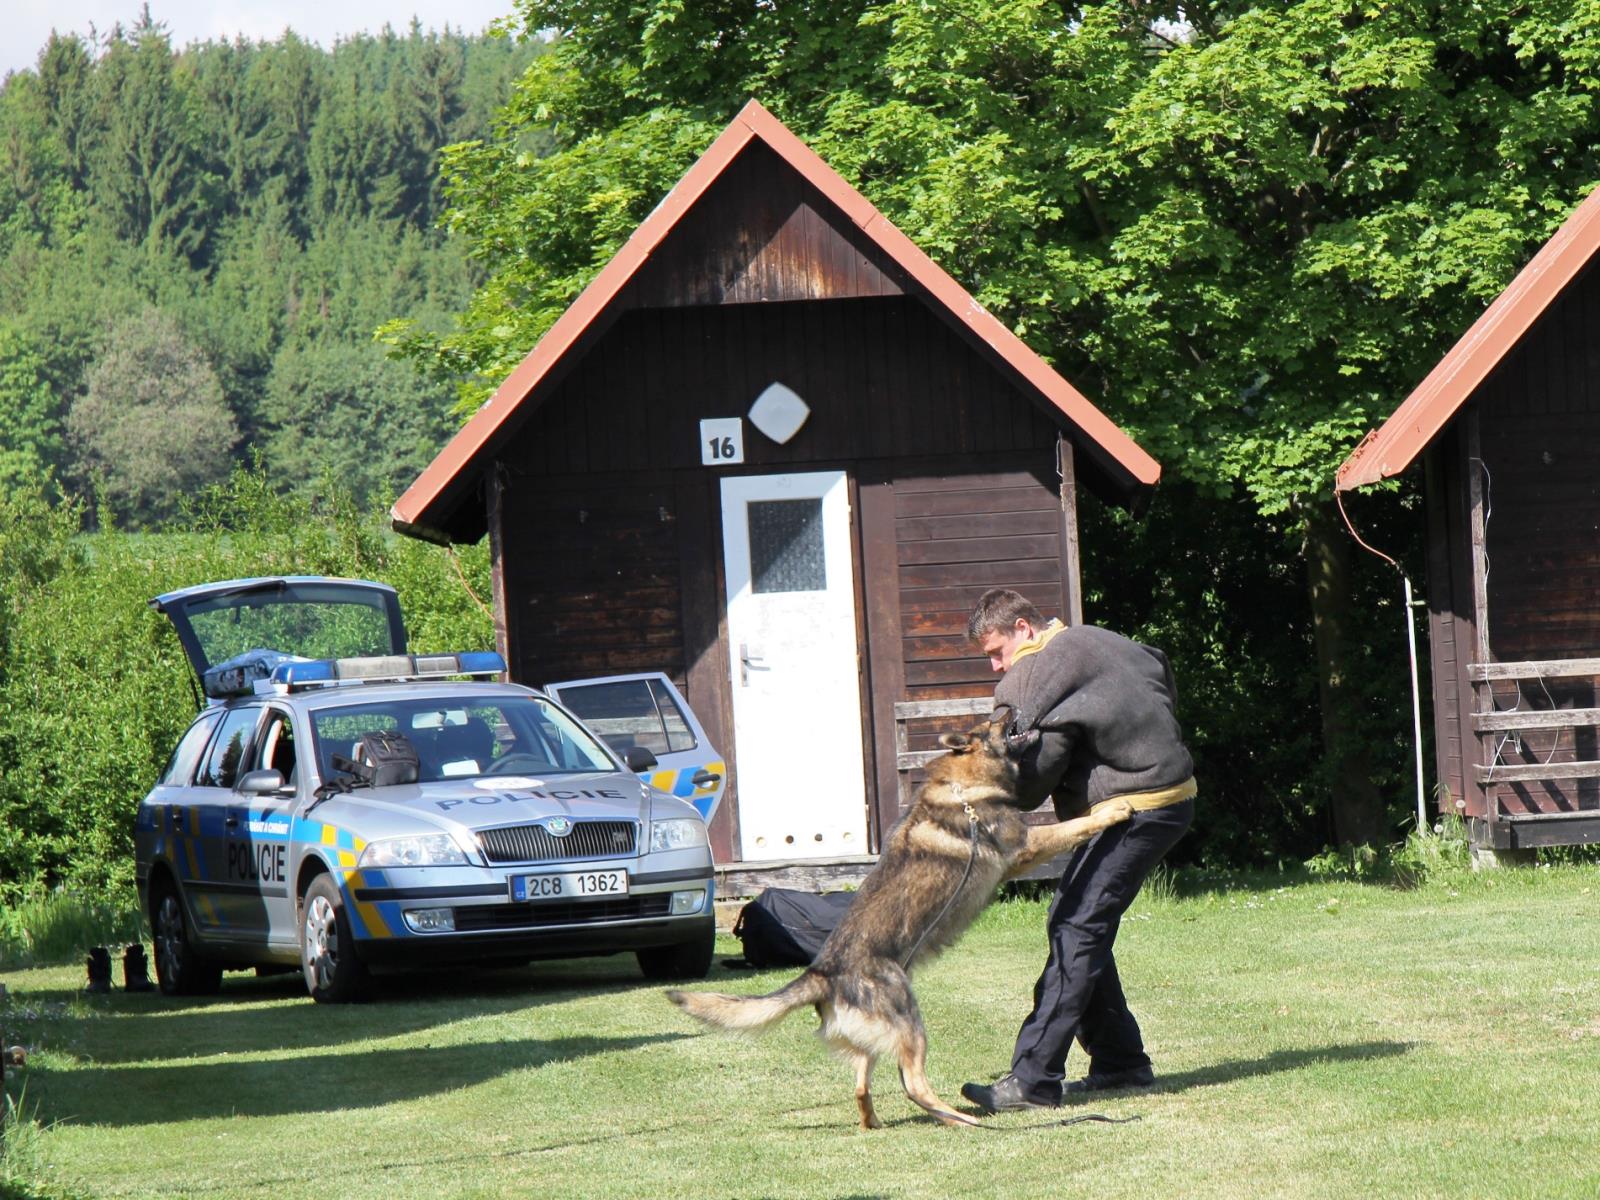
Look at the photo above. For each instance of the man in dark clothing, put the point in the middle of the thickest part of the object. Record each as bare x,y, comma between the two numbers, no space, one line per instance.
1105,709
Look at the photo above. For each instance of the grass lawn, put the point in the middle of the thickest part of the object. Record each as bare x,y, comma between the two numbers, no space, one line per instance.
1313,1040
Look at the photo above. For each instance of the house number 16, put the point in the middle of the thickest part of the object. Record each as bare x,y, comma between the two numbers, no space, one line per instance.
721,441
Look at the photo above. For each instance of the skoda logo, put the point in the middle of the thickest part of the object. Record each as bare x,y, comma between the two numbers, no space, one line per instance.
559,826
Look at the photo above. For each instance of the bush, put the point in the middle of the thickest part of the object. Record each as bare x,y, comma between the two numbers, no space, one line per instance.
94,689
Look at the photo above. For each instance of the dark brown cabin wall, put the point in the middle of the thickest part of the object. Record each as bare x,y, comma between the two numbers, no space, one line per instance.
958,534
1540,416
894,382
592,577
1449,635
761,233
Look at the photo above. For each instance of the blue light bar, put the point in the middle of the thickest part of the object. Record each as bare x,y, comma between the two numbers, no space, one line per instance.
298,674
392,668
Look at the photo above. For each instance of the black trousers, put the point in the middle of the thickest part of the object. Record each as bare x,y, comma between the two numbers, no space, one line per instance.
1079,996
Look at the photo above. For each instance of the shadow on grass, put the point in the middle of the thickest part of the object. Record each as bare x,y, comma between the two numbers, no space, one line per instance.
253,1014
1275,1062
145,1095
1230,1070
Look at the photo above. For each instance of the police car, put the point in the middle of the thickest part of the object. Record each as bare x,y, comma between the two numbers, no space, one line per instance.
500,828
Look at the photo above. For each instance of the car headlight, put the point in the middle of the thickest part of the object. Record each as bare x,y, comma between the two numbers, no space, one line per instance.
680,833
429,850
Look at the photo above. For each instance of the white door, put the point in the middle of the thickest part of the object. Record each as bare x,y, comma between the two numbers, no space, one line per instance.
795,666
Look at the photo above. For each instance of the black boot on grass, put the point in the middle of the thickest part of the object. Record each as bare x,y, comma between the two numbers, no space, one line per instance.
136,969
99,964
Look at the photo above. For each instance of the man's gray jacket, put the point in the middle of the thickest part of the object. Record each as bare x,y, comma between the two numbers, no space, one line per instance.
1106,710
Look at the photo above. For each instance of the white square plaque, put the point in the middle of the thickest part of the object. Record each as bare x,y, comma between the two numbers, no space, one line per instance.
721,441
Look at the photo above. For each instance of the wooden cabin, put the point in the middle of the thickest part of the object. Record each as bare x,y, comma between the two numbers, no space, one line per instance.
776,453
1507,427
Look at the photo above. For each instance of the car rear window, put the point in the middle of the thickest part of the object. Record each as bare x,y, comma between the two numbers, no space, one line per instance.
632,712
313,628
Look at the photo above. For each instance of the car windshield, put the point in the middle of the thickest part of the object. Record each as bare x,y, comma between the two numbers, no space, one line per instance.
462,739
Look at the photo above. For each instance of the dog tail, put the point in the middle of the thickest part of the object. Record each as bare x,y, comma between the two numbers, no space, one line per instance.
752,1014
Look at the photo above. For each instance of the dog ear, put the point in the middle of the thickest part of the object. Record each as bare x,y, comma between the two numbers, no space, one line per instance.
955,741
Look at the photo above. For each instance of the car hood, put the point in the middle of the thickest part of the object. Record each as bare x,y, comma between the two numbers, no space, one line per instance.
489,802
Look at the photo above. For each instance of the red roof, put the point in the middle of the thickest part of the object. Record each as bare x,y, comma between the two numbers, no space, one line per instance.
427,503
1393,447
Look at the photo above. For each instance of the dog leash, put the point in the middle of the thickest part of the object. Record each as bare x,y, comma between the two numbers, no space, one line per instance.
972,837
1098,1118
1101,1118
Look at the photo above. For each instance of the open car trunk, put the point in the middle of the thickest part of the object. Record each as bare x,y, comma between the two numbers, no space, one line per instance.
234,632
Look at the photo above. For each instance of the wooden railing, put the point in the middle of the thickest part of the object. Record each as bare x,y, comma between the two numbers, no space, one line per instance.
1493,721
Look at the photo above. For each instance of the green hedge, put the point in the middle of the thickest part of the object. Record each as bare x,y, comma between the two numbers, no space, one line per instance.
94,689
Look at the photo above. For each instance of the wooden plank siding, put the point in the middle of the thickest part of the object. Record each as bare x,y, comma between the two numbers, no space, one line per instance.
956,536
761,233
1450,632
1539,431
613,575
893,382
594,583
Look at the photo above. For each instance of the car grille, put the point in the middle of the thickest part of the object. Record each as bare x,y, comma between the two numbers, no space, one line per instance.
476,918
535,843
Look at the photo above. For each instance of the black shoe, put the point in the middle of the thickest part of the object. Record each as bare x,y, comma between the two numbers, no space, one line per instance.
98,965
136,970
1111,1081
1003,1095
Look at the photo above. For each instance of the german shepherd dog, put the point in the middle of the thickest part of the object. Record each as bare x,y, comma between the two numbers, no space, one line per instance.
961,838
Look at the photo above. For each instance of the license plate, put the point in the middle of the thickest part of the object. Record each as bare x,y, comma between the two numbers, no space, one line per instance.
574,885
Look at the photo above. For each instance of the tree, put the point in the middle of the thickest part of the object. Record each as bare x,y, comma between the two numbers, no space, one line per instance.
288,76
31,441
353,153
426,112
349,411
1247,230
149,174
153,426
31,160
65,75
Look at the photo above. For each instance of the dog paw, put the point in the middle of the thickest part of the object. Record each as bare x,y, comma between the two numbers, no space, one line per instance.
1116,811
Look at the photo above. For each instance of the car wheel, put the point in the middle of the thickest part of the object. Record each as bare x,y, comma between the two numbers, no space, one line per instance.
181,970
686,960
333,973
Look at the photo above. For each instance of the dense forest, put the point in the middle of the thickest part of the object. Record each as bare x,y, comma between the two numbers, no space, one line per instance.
197,244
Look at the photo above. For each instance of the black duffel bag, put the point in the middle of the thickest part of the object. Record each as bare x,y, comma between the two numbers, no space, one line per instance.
382,758
785,928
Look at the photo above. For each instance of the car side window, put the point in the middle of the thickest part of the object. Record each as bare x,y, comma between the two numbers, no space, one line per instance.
277,745
631,712
180,767
228,748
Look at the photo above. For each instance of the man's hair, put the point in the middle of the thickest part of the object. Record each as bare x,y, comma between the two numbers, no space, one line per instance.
1001,608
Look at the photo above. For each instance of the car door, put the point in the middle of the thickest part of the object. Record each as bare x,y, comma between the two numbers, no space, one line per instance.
222,895
170,818
257,828
647,710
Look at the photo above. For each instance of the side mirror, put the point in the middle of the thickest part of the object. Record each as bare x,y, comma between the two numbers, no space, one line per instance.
638,759
259,783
